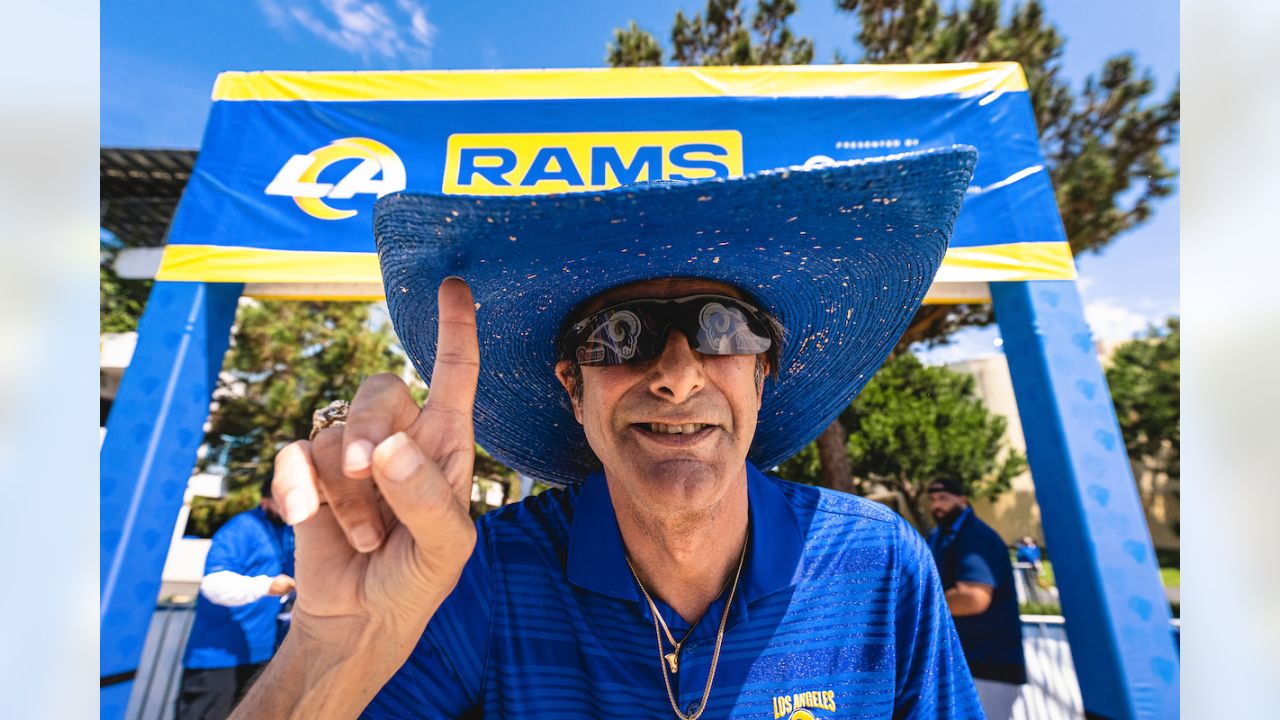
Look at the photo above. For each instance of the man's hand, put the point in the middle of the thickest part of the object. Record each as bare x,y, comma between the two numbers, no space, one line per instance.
969,598
380,510
281,585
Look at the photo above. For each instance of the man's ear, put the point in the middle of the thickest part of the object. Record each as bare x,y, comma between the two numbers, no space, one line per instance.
570,377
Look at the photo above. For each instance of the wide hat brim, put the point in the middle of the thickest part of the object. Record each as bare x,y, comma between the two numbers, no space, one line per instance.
841,255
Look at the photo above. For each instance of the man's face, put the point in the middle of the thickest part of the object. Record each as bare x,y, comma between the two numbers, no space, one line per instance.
629,411
946,507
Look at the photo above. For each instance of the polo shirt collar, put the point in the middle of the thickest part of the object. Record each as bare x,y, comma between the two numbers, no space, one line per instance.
597,560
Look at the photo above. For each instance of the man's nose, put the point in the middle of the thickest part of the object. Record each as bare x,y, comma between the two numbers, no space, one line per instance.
677,372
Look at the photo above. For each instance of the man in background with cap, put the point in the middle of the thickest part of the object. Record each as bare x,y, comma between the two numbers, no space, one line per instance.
974,565
649,349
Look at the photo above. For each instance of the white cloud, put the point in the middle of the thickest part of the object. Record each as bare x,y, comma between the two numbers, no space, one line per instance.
1109,320
373,30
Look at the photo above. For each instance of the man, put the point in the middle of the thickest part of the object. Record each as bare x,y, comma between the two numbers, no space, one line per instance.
1029,552
248,573
648,348
973,563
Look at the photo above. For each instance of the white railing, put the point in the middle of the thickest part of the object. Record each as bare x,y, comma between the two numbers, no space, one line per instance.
1052,691
1030,587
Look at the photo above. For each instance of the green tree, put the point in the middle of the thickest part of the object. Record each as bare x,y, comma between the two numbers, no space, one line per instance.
1102,145
1144,377
911,424
633,47
120,301
286,360
719,35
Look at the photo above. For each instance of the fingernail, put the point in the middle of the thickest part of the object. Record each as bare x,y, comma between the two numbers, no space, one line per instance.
365,538
404,460
359,455
294,513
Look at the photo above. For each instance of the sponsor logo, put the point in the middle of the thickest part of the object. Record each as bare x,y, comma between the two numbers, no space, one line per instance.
537,163
801,705
376,171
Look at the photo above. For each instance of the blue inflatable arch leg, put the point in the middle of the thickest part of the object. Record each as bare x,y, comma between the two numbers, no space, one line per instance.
153,432
1117,615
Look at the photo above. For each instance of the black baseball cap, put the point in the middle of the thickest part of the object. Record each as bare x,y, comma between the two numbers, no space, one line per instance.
948,485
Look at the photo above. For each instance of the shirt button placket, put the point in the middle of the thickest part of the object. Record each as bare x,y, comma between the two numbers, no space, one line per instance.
691,706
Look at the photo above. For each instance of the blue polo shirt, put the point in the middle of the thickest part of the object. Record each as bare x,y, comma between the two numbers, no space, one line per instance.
1028,554
971,551
839,613
224,637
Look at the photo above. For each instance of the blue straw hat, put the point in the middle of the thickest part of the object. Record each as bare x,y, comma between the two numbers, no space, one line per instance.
840,255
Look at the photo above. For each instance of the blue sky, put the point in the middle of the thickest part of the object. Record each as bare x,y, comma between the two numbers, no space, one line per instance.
159,61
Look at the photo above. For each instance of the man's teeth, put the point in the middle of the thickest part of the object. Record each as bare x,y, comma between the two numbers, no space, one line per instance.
675,429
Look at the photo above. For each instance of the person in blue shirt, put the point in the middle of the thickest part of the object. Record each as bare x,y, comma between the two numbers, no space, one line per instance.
248,575
973,563
1028,552
649,350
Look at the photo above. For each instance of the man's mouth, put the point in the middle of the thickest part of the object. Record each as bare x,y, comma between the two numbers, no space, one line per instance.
675,435
684,429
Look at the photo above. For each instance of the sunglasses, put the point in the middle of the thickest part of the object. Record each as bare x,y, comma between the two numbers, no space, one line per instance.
636,330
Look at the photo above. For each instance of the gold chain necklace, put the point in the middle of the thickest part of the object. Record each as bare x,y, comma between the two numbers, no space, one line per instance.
672,658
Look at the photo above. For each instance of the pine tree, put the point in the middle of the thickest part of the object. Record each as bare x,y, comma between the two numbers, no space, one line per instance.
719,35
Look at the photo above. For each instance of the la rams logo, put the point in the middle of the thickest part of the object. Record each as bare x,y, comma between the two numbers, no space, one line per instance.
378,172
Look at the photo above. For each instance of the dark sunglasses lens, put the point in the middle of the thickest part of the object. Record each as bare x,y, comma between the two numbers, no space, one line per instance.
727,329
611,337
635,332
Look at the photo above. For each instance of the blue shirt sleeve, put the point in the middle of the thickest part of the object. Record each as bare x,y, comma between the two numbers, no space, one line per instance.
933,679
974,562
444,674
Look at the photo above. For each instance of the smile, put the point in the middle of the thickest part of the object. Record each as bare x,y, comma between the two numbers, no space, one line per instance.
687,429
674,435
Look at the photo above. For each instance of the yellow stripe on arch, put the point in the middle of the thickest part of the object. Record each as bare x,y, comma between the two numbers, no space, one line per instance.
1009,262
651,82
213,263
961,268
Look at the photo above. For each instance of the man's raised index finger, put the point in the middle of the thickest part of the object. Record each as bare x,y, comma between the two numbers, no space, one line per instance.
457,367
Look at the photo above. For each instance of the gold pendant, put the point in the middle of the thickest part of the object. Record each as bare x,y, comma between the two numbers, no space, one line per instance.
673,659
